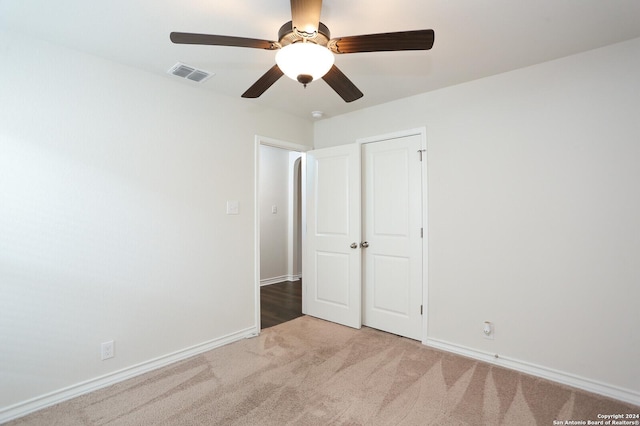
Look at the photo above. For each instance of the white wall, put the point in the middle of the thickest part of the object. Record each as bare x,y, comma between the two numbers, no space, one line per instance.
274,227
113,187
534,212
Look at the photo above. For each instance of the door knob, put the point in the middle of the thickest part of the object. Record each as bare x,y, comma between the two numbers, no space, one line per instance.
364,244
354,246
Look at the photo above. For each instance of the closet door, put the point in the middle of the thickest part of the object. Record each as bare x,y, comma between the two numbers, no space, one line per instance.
392,219
332,258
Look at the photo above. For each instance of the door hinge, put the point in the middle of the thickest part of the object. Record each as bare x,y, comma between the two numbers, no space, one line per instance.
420,151
421,232
421,310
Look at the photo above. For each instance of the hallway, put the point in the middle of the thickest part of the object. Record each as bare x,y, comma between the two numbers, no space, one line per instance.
280,302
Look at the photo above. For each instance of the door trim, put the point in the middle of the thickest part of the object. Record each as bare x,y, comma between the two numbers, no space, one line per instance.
289,146
422,132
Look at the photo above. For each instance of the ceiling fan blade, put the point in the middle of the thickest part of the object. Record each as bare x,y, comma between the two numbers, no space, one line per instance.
220,40
404,40
342,85
263,83
305,15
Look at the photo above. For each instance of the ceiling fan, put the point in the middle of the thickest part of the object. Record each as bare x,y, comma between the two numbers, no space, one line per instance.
305,49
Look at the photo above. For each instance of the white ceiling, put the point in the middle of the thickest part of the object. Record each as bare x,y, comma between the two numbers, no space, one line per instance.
473,39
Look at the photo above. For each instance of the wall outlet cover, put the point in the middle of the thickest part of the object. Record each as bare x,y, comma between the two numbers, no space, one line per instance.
107,350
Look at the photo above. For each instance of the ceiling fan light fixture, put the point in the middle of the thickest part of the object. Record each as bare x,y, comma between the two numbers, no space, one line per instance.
304,61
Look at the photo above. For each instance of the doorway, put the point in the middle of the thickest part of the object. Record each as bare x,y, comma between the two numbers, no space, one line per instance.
280,302
278,224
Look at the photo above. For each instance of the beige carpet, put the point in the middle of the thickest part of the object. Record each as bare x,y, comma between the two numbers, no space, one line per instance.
312,372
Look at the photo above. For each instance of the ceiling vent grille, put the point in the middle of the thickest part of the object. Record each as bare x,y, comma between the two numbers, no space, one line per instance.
190,73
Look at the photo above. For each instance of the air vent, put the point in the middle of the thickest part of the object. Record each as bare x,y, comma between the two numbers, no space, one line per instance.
190,73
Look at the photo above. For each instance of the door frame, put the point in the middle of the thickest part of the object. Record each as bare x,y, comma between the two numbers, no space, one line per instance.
289,146
422,132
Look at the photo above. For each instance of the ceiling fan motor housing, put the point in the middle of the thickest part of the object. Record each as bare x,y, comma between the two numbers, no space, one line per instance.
287,35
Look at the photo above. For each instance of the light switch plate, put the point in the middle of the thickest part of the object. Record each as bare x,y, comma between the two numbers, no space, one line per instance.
233,207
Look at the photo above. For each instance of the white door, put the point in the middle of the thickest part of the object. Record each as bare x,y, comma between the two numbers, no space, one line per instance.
332,261
392,228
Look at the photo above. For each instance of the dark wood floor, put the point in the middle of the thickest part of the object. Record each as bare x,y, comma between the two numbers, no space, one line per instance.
280,302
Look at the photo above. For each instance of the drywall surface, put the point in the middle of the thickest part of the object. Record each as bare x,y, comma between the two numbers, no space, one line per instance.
113,224
274,225
533,210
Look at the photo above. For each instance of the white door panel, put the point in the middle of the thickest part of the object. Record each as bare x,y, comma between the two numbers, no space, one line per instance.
391,300
332,194
332,267
392,222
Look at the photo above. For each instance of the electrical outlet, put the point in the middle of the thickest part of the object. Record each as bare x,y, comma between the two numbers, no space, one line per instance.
488,330
107,350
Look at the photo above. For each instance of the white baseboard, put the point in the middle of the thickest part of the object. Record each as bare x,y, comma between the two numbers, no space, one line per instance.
281,278
621,394
23,408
